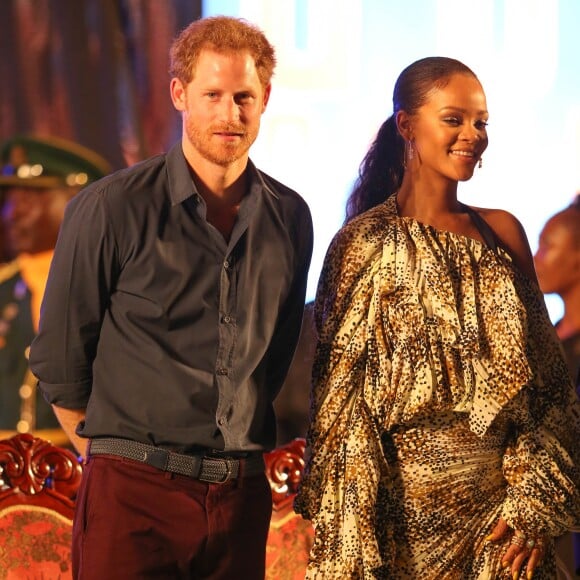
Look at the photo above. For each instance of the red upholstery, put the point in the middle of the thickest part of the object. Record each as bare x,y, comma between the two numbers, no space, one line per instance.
38,483
290,537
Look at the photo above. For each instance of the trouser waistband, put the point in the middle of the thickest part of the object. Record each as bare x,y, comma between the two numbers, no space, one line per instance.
202,467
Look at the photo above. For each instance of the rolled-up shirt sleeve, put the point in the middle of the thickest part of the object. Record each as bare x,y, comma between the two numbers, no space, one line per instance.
80,282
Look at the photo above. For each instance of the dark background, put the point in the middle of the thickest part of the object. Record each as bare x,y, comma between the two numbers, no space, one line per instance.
93,71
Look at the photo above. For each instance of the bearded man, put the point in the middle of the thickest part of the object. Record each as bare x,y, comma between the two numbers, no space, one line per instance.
169,322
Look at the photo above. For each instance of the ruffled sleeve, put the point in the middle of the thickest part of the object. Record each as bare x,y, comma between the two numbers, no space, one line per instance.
347,464
542,462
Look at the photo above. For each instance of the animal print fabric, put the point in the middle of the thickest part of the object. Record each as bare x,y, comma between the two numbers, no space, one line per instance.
441,401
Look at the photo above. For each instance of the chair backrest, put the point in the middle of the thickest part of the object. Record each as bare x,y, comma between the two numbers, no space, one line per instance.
290,537
38,485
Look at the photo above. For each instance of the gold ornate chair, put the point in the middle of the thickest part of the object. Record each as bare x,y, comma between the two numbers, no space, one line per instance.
290,537
38,484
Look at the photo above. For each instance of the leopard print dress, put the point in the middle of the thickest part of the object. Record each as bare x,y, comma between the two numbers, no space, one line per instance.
441,401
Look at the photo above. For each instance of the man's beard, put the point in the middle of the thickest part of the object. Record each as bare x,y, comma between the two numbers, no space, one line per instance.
222,153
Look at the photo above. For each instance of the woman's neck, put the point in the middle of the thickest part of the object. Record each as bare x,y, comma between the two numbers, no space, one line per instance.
425,200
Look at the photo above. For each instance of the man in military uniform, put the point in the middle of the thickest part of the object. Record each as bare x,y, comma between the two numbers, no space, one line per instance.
38,176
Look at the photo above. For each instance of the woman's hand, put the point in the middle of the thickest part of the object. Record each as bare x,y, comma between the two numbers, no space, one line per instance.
520,549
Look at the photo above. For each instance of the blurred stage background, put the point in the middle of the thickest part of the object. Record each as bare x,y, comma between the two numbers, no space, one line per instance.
95,71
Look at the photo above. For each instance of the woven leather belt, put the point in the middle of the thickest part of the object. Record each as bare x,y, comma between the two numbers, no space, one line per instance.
202,467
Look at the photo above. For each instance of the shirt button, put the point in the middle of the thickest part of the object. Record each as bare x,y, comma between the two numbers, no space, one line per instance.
226,264
227,319
222,371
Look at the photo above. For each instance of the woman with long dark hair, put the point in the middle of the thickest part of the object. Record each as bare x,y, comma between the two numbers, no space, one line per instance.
444,430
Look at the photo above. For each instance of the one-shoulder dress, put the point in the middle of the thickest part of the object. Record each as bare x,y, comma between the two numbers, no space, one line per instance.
441,401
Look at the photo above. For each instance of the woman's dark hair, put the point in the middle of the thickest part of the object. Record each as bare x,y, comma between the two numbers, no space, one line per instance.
381,171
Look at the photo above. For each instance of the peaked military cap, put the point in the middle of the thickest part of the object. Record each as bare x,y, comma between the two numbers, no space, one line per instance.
45,162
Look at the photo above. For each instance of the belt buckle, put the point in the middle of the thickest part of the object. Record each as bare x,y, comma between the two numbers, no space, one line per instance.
158,458
226,462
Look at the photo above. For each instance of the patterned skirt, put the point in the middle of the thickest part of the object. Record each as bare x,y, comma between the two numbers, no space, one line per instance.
446,497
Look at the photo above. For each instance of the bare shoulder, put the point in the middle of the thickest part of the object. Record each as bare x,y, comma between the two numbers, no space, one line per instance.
504,224
511,235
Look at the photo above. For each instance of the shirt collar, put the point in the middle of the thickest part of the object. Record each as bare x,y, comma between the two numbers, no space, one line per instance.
182,187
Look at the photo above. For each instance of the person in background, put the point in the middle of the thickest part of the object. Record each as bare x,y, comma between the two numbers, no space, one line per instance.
171,314
557,262
38,176
445,426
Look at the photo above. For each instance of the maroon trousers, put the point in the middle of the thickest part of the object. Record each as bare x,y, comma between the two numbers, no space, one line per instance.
133,521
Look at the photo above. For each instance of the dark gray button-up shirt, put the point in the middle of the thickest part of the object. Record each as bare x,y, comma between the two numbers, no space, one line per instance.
164,331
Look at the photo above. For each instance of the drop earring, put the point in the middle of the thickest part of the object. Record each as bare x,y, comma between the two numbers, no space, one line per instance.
480,163
409,153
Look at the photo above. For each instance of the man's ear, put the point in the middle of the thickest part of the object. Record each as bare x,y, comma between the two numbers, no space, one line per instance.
404,125
267,92
177,91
